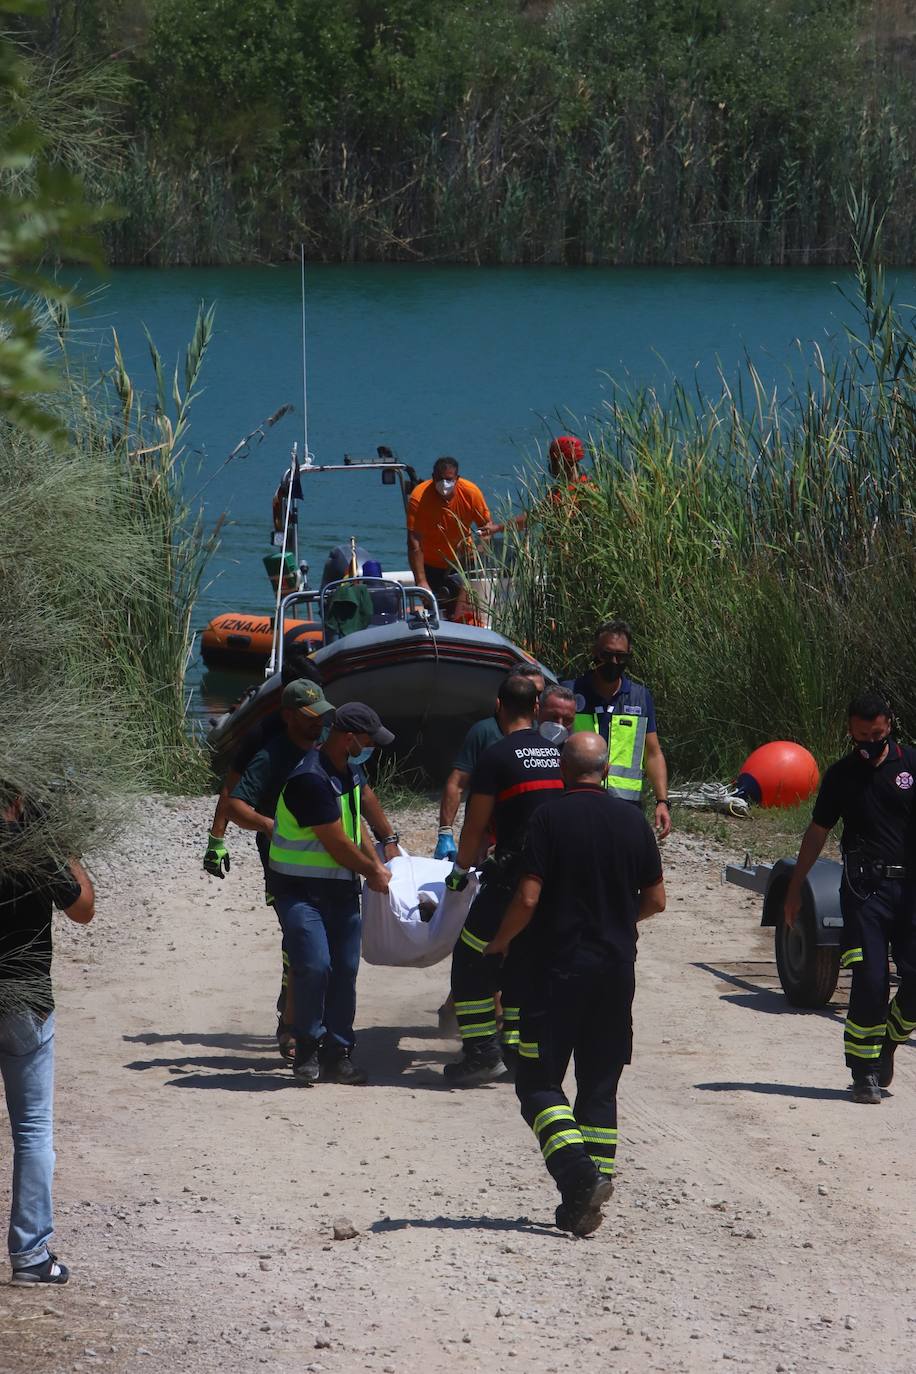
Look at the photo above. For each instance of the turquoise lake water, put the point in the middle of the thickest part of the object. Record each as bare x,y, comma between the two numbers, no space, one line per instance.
481,363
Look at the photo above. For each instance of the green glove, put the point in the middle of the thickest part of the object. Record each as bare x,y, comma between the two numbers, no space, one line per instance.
457,880
216,859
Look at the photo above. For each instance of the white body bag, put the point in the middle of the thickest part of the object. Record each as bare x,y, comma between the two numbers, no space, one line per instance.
393,931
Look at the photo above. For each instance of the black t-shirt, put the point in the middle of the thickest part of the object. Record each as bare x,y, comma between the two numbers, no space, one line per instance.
256,739
595,854
521,771
875,804
262,781
480,736
25,929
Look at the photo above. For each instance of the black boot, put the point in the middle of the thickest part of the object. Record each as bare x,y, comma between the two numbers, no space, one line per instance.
580,1210
338,1067
886,1063
866,1089
305,1065
481,1062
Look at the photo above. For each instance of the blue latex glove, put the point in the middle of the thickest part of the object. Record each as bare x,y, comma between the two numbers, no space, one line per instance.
446,847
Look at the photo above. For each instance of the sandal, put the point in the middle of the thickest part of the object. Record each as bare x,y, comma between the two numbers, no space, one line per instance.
286,1041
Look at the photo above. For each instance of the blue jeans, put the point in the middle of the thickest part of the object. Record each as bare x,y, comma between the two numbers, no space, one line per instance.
27,1068
321,934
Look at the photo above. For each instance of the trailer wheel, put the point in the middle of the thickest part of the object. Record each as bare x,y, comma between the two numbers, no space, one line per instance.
808,972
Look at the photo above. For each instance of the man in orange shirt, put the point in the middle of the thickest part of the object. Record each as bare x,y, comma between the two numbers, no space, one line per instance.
440,515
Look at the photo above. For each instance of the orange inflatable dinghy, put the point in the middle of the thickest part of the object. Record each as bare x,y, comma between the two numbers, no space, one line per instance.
236,640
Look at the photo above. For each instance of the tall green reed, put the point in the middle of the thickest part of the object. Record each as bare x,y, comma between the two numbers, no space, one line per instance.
659,178
101,559
152,644
758,542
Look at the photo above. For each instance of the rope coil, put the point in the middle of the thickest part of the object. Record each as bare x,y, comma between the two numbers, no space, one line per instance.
712,796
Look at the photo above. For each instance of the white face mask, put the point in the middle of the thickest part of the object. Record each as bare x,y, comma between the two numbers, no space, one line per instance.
445,486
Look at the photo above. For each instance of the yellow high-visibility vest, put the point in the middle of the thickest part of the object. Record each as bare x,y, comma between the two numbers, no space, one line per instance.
296,850
625,753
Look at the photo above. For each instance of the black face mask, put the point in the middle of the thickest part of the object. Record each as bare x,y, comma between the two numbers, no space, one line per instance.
610,666
870,750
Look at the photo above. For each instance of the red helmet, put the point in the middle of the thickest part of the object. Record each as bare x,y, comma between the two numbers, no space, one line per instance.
567,447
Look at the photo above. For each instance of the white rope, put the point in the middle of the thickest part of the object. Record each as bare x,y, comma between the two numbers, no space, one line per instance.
712,796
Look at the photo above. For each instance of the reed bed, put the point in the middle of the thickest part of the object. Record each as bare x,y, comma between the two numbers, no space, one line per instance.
100,562
597,132
759,543
498,191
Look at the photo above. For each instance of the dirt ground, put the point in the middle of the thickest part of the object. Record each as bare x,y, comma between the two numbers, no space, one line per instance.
760,1218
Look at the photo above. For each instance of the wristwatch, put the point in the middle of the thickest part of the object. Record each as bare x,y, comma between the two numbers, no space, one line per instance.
391,839
662,801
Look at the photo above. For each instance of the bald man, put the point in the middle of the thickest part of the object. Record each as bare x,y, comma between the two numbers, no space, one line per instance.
590,872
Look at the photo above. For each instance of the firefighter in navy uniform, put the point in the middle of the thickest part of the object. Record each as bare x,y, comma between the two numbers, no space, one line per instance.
872,790
590,871
622,711
511,780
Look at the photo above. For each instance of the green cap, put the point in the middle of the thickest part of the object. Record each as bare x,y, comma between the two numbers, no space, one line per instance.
302,695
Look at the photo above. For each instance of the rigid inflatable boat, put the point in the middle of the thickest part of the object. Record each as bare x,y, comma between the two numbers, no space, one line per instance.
428,678
377,639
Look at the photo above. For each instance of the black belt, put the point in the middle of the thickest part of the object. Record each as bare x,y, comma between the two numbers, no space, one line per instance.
877,868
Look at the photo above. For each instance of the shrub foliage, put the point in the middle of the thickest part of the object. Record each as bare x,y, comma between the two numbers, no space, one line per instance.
583,131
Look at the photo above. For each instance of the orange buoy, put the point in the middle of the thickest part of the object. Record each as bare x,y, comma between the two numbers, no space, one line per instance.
780,773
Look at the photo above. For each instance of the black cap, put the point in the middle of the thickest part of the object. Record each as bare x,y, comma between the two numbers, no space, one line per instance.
362,720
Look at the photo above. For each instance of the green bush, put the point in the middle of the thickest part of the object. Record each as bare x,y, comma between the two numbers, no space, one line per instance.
612,131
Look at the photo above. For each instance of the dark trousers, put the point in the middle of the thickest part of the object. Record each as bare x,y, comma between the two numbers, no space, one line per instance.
263,846
878,917
476,978
321,934
586,1014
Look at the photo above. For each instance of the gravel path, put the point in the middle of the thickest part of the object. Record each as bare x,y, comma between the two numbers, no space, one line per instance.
760,1218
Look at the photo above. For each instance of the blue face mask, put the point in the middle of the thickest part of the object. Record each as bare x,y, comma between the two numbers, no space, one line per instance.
324,736
363,756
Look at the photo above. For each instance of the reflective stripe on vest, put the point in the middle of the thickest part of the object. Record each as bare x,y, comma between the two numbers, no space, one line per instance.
625,753
296,850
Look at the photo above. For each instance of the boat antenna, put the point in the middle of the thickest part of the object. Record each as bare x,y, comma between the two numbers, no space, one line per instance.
292,478
306,455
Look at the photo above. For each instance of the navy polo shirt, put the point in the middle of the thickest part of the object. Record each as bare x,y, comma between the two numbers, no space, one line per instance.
630,698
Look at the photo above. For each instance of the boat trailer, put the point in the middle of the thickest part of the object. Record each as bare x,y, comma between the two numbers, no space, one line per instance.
808,955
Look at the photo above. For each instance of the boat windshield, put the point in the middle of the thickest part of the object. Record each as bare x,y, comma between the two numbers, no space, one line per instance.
351,604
